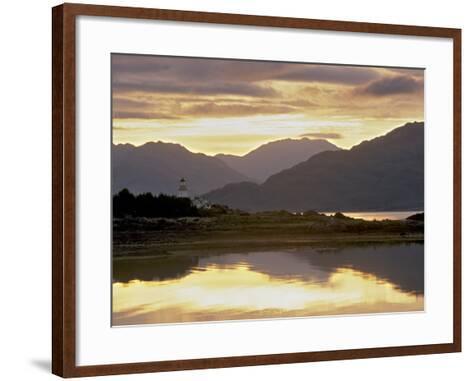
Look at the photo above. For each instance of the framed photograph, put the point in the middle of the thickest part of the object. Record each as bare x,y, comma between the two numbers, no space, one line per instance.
234,190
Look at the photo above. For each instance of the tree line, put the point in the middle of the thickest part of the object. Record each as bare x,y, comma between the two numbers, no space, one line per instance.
126,204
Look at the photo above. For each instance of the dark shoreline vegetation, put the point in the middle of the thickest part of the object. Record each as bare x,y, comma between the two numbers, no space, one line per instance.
147,225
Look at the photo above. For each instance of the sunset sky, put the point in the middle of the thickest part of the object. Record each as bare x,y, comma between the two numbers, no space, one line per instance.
231,106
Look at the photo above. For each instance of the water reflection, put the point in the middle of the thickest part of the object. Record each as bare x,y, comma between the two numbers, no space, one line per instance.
379,216
277,283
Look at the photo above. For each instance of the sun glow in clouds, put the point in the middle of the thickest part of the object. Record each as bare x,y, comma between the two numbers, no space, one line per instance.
231,106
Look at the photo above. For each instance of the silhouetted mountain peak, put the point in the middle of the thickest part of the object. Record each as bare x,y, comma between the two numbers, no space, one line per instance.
157,167
275,156
395,136
384,173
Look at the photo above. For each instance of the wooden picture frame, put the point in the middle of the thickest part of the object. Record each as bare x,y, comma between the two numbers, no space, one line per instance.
64,188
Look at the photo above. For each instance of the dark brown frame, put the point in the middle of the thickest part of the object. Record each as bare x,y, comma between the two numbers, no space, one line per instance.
63,185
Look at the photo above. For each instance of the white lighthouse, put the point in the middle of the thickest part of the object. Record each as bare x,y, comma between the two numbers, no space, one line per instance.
182,190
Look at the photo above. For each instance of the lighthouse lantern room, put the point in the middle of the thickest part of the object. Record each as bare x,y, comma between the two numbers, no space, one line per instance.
182,190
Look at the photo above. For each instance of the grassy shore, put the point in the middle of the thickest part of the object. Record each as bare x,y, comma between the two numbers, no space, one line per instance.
137,237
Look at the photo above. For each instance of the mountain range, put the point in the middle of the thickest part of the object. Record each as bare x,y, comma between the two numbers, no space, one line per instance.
385,173
273,157
157,167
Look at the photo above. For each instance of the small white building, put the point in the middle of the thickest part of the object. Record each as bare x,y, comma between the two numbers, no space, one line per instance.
201,203
182,190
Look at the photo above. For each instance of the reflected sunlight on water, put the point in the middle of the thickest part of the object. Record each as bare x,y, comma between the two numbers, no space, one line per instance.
379,216
241,291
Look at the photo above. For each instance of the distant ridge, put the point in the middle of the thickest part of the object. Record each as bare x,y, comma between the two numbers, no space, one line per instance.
157,167
385,173
273,157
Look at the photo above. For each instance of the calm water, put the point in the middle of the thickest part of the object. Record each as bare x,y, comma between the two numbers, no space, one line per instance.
371,216
267,284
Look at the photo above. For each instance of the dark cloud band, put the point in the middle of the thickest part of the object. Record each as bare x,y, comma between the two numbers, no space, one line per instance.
400,84
180,87
322,135
159,87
